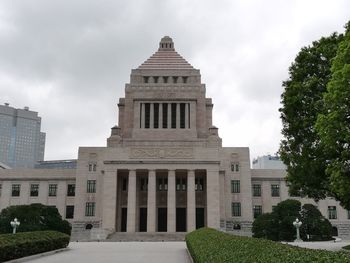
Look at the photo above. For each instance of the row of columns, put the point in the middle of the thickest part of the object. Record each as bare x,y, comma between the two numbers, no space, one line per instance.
151,202
160,115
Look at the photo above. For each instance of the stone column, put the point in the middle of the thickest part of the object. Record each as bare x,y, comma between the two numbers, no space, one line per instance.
171,201
191,201
187,115
213,196
109,200
169,115
142,105
177,115
160,118
151,116
151,201
131,217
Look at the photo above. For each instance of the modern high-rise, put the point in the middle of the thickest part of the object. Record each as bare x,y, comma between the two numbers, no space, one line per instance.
22,143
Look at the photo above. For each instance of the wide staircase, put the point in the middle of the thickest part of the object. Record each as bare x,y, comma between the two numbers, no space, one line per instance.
150,237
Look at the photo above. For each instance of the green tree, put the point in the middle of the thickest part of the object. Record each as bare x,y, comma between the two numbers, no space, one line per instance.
34,217
314,224
302,101
333,124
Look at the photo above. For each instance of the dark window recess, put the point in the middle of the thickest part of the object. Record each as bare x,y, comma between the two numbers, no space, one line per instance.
199,186
16,189
69,211
182,115
141,105
175,79
145,79
181,184
162,184
173,115
165,79
71,190
147,115
34,190
165,115
184,79
89,226
125,184
156,115
189,115
155,79
143,184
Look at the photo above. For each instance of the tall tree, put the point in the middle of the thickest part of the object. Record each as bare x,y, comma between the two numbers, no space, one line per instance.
333,125
302,101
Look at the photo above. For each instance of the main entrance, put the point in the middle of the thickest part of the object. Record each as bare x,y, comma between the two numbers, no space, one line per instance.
181,219
143,219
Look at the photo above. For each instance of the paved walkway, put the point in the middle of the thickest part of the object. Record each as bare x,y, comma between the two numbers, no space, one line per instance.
327,245
126,252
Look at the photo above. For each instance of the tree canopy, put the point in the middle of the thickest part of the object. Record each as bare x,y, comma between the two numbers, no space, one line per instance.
315,118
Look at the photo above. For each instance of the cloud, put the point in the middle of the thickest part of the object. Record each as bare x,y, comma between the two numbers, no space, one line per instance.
70,60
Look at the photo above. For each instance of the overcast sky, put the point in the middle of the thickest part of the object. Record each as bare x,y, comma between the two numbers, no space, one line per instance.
69,60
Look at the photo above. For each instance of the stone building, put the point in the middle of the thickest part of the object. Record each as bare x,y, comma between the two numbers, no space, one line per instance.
164,168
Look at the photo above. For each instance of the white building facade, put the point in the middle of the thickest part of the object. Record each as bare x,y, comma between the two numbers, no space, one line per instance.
164,169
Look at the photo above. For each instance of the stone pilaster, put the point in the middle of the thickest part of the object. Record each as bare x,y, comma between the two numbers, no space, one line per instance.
131,218
151,201
109,200
171,201
213,199
191,201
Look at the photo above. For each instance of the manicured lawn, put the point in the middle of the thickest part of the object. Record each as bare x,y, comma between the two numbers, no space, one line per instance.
209,245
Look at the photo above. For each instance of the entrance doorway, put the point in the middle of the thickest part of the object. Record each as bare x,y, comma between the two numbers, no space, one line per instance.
143,219
181,219
199,217
123,219
162,219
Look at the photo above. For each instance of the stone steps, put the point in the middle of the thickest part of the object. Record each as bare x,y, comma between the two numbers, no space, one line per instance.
150,237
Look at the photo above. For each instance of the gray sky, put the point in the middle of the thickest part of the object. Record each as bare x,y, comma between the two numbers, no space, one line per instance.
69,60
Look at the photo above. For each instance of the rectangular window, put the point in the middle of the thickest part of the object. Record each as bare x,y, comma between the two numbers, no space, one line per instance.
71,190
181,184
235,186
332,212
199,186
52,189
165,79
182,115
143,184
256,190
165,115
34,190
236,209
147,115
184,79
92,167
90,209
275,190
162,184
235,167
125,184
257,210
156,115
70,211
91,186
16,190
173,115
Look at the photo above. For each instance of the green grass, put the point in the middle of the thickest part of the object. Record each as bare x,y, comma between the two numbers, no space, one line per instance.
209,245
30,243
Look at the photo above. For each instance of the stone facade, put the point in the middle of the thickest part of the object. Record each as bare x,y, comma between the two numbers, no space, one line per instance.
164,168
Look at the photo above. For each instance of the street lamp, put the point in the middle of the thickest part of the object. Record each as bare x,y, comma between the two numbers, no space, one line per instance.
15,223
297,225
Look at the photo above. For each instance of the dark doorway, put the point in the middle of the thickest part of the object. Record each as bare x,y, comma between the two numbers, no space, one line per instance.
143,219
334,231
124,218
181,220
199,217
162,219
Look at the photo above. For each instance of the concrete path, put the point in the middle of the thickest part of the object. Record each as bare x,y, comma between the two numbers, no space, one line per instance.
126,252
327,245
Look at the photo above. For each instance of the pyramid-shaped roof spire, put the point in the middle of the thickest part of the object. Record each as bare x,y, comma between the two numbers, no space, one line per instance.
166,57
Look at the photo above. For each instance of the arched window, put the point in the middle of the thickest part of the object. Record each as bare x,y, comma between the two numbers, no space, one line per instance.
88,226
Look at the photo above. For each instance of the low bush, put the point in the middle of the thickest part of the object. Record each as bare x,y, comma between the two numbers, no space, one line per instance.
30,243
209,245
347,247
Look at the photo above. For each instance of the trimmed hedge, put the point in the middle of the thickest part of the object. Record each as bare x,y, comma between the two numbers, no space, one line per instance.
30,243
209,245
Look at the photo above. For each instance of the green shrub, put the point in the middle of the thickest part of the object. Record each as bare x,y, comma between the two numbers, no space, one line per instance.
347,247
34,217
209,245
30,243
